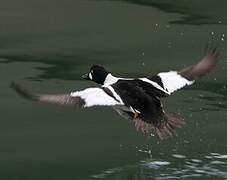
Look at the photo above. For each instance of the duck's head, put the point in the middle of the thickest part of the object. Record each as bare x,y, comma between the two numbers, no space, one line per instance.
97,74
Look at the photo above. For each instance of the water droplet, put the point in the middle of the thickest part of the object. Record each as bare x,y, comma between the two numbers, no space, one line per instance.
169,44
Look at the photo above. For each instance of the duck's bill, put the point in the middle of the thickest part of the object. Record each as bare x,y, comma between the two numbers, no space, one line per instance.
86,76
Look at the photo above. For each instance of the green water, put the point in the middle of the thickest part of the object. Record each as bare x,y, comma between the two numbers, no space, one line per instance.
48,45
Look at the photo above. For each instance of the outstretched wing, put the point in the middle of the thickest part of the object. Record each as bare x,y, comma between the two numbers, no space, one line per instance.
174,80
85,98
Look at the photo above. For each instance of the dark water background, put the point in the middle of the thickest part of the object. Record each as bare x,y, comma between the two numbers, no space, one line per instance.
48,45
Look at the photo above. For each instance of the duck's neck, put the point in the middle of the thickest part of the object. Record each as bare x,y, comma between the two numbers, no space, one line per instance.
110,79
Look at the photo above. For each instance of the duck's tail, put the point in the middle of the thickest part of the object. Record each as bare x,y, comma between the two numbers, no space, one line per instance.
168,126
165,128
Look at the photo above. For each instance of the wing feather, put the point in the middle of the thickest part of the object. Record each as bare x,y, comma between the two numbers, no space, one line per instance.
174,80
85,98
96,97
206,64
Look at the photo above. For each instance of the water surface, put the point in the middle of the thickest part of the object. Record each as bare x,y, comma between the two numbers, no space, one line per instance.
47,46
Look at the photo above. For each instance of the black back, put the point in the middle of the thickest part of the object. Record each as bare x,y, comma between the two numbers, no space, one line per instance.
141,97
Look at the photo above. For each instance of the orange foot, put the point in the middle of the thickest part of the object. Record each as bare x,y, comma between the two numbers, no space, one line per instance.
136,115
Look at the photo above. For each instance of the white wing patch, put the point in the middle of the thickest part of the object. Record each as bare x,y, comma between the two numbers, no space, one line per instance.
154,84
172,81
95,97
114,93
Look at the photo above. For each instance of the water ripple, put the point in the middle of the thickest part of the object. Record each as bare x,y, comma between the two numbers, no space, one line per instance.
212,165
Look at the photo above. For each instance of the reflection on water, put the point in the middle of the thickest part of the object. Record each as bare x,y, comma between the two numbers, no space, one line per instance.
59,66
191,15
177,167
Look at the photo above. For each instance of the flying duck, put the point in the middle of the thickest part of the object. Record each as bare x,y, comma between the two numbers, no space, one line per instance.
137,99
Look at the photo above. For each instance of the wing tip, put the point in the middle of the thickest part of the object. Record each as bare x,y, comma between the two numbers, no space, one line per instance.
204,66
22,91
212,50
168,127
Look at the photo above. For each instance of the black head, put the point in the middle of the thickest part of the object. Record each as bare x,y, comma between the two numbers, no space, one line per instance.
97,74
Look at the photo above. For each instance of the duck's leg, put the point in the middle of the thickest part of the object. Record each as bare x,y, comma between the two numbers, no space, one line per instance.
135,115
135,112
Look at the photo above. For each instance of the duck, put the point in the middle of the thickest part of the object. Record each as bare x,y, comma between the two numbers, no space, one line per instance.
136,99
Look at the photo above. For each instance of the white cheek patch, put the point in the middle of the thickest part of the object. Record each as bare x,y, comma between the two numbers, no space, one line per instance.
90,76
